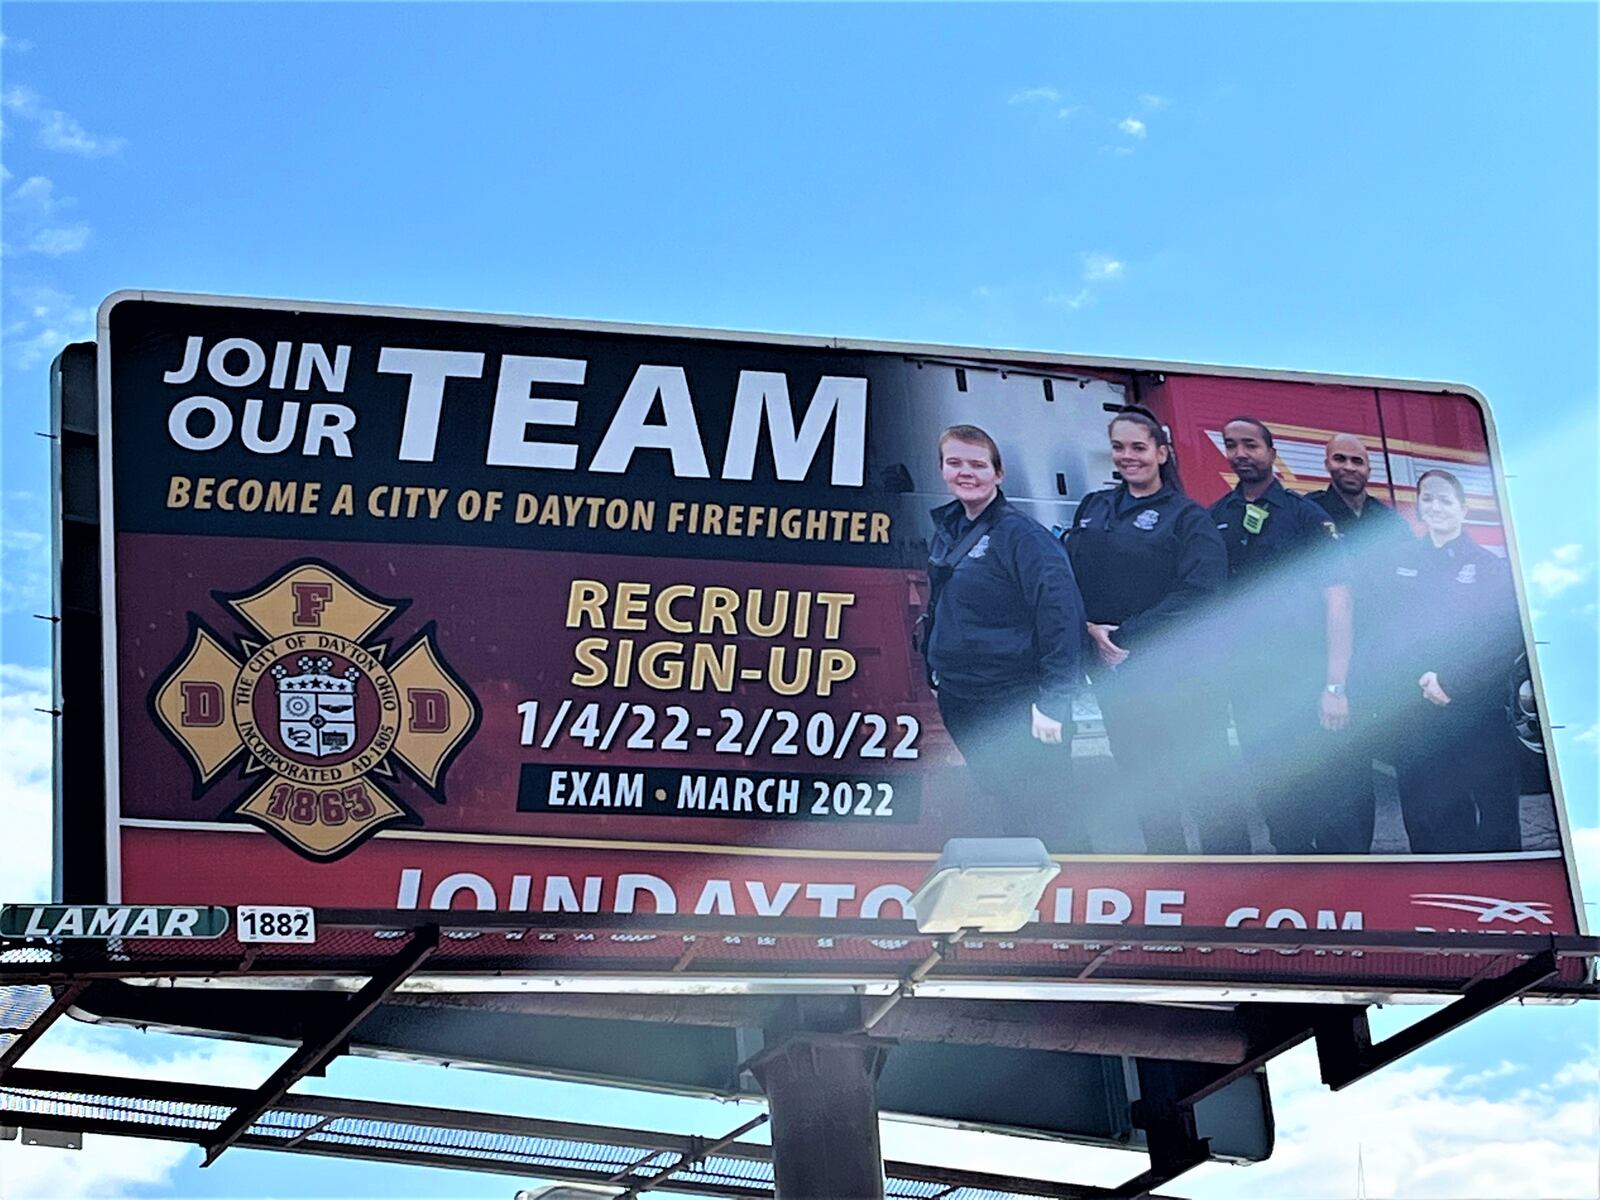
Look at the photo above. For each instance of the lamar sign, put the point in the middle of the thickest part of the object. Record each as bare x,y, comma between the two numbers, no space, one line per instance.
548,617
112,921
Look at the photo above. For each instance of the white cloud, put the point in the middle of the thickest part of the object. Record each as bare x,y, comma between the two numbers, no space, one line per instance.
64,239
1067,112
1098,268
16,44
119,1167
1123,151
1422,1131
1583,1073
1132,126
1499,1071
1425,1131
1072,300
24,553
1589,736
1561,571
1035,95
1150,102
58,130
36,196
41,321
105,1167
1586,854
15,677
32,209
25,761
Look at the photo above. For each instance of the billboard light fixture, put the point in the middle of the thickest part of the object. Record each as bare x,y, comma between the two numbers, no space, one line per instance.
984,885
979,885
568,1191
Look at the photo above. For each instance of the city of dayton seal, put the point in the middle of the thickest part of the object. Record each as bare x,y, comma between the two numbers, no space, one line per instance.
320,712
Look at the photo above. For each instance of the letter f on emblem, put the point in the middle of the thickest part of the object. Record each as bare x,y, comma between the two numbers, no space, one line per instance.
310,598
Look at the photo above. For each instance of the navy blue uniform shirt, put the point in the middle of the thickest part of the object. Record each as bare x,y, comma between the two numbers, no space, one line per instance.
1455,612
1294,557
1371,540
1008,615
1374,522
1144,563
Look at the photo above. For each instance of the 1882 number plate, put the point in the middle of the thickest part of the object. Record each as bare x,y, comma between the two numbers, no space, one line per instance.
276,923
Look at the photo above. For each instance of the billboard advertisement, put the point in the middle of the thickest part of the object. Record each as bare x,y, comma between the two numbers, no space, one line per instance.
421,610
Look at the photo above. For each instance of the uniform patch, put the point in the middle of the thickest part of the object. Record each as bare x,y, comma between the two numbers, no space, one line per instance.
1255,517
1468,573
1083,522
1147,519
1407,572
981,548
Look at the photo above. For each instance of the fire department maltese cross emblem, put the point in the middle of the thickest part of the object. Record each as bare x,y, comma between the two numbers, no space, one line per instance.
318,707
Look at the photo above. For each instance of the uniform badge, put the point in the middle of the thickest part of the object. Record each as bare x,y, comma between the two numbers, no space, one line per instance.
1255,517
1147,519
1468,573
318,710
981,548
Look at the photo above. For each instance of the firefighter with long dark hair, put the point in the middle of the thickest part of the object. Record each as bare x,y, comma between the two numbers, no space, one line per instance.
1458,639
1005,648
1148,561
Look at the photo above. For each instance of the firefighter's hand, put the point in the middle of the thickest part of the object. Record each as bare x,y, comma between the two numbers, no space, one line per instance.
1431,691
1334,712
1110,653
1046,729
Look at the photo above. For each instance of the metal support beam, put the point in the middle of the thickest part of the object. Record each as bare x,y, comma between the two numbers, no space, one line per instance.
1169,1091
64,1000
324,1044
699,1151
1081,1026
1166,1114
908,985
1347,1053
112,1106
823,1095
1276,1028
308,1131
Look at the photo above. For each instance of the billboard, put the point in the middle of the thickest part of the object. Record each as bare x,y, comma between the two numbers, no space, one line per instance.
422,610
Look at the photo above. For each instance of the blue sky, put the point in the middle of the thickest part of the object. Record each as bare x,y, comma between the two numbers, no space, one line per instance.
1367,189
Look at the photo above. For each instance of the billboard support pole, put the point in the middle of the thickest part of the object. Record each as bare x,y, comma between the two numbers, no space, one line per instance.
822,1091
1344,1041
1165,1111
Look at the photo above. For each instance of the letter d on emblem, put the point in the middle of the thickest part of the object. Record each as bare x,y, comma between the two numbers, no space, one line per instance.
202,705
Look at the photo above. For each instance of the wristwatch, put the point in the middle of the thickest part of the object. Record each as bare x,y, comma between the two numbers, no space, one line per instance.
1335,689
